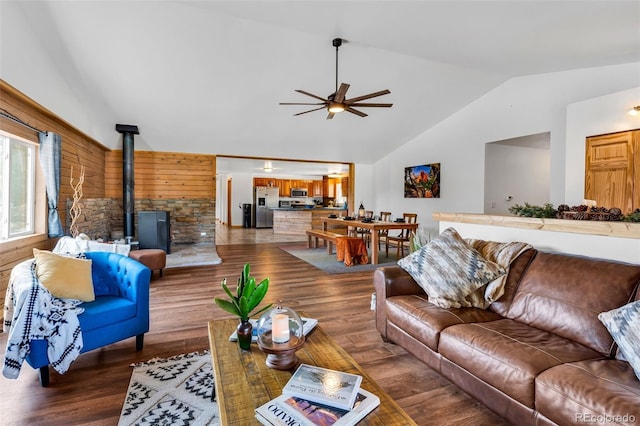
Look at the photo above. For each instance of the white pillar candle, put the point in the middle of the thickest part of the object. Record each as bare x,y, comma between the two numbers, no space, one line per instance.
280,329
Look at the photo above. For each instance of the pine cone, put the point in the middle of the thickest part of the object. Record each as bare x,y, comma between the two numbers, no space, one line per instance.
614,211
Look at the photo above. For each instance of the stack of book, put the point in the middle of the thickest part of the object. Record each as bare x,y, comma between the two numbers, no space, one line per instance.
318,396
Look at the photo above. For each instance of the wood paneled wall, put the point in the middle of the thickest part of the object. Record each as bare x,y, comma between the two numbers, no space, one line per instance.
163,175
77,149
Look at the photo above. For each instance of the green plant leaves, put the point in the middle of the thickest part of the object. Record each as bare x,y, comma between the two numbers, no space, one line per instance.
248,295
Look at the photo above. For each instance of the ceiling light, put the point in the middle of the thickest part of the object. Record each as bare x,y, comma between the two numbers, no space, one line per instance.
335,107
268,167
634,111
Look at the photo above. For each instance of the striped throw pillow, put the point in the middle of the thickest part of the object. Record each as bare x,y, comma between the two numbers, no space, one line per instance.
624,326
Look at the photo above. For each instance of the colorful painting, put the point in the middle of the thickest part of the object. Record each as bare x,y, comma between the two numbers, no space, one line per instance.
422,181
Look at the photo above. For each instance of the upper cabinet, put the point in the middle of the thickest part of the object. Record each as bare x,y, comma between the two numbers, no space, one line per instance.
612,170
257,181
313,187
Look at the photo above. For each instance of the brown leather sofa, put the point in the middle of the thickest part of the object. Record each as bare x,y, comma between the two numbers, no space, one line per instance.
538,355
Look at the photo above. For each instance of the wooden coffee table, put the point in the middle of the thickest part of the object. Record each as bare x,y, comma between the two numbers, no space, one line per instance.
243,381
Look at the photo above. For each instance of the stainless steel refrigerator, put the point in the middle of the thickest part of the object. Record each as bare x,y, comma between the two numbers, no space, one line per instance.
265,198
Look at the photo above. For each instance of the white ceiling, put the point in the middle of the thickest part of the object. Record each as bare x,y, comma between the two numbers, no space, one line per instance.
207,76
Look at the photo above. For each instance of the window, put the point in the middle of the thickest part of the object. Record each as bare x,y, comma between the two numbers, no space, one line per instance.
17,186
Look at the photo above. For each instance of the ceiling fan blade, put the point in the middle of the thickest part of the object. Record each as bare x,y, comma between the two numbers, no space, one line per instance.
311,110
371,105
330,116
311,94
340,94
355,111
369,96
302,103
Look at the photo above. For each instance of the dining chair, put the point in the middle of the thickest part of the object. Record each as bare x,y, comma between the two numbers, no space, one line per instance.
365,234
383,233
401,239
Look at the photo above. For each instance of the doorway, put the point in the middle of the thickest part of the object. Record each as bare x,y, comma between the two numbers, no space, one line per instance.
517,171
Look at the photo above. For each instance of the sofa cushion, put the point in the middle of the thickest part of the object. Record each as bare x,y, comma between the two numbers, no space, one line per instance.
601,391
424,321
450,270
508,355
564,294
106,310
624,325
65,277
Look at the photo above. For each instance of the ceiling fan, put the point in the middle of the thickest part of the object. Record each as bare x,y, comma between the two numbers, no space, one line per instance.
337,101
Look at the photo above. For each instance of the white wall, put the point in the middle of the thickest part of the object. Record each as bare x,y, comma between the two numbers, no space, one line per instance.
365,192
521,106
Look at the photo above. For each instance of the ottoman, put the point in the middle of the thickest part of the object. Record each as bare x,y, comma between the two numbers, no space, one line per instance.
151,258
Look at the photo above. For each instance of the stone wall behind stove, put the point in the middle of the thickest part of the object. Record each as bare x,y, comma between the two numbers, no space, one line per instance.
104,218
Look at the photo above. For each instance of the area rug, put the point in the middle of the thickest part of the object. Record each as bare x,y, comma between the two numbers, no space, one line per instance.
319,258
171,391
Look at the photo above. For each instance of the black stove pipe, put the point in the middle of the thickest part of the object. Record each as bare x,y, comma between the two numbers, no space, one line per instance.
128,194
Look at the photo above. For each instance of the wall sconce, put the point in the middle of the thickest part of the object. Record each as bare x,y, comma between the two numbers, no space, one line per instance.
634,111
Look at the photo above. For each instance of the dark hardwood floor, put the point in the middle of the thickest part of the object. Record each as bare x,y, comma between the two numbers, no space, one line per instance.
93,390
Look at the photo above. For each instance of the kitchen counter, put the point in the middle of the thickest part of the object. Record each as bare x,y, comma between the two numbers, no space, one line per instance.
295,220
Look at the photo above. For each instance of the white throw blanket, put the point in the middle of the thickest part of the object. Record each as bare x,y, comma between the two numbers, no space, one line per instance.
82,244
30,313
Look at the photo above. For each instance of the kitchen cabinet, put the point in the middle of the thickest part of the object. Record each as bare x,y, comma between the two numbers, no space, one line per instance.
315,188
345,186
257,181
285,187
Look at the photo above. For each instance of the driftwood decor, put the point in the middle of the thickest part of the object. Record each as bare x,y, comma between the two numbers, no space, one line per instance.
76,210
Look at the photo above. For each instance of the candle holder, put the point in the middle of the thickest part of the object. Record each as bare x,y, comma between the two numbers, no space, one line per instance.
280,335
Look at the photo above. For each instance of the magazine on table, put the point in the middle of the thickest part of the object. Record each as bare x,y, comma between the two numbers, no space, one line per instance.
292,411
324,386
308,324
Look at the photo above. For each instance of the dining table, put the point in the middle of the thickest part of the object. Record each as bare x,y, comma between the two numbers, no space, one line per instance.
374,226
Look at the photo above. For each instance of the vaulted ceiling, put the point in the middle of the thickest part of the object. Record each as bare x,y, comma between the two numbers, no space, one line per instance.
207,76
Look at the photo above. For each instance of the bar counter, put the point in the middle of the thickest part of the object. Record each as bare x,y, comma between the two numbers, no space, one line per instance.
295,220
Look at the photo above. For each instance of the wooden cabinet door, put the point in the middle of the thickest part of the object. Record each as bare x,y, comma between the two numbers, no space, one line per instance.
609,170
345,187
317,188
285,187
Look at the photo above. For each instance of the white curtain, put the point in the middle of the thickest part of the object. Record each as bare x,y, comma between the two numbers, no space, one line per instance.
50,148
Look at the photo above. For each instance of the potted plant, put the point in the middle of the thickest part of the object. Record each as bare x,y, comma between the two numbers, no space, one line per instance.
248,296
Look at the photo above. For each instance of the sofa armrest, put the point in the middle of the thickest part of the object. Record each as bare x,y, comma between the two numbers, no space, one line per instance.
394,281
391,281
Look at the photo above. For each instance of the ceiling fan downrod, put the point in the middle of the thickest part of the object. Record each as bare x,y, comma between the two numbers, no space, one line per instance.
337,42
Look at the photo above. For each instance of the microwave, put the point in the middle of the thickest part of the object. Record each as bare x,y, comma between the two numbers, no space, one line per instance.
298,192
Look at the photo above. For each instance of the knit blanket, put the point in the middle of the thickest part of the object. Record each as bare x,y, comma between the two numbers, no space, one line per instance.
32,313
502,254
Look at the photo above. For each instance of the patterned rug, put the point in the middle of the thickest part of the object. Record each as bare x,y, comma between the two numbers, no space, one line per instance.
171,391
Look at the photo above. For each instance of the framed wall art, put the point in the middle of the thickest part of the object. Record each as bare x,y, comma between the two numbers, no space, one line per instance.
422,181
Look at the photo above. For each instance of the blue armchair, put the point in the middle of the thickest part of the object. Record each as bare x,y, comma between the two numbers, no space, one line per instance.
119,311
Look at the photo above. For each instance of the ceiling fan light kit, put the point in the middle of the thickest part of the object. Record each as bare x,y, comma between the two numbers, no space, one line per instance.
337,101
